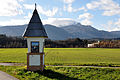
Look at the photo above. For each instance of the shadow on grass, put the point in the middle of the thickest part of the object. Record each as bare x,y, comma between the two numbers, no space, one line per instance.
55,75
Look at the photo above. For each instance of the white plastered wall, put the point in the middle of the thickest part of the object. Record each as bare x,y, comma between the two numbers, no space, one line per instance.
35,59
41,43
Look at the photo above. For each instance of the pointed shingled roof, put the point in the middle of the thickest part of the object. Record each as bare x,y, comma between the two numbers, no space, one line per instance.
35,27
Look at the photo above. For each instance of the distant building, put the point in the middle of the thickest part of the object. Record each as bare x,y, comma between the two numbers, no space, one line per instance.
93,44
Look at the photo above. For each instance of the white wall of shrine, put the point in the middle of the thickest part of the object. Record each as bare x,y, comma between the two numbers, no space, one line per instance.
41,43
34,60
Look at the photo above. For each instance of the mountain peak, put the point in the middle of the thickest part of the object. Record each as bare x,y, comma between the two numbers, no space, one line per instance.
60,33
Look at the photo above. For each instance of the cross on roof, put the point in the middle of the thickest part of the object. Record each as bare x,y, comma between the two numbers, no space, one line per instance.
35,5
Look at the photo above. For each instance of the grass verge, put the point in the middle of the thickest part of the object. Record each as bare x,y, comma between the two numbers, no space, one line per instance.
63,73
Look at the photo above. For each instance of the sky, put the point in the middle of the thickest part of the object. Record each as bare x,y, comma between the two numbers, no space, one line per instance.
100,14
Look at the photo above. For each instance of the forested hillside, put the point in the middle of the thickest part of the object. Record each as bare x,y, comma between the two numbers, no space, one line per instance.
19,42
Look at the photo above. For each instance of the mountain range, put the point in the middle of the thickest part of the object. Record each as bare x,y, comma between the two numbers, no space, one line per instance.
64,32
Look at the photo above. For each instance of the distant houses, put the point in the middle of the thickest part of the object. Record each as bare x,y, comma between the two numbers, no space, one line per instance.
93,44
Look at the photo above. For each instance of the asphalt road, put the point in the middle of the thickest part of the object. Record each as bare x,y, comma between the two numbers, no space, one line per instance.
5,76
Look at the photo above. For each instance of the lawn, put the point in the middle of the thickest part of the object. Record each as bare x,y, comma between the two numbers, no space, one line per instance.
66,56
63,73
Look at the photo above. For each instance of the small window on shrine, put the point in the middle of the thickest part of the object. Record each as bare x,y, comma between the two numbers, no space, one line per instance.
34,47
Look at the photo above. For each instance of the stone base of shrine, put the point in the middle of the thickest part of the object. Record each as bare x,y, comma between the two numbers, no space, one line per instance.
35,61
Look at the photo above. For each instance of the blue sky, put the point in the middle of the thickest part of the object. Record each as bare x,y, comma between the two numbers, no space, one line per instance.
101,14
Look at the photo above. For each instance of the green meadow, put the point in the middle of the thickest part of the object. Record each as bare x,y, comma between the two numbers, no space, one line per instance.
63,73
66,56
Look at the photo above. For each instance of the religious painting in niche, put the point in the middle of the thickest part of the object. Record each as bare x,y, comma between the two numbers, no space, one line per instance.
34,47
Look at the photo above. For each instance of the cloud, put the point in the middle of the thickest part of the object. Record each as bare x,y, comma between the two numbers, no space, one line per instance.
40,9
59,21
28,6
85,18
117,23
93,5
112,26
53,21
68,1
14,22
21,0
10,8
109,6
78,9
69,7
116,29
86,22
86,15
28,16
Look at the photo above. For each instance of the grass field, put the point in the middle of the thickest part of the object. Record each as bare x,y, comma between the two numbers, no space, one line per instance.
66,56
63,73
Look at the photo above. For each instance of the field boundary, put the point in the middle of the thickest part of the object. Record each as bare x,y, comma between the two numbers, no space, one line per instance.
22,64
84,66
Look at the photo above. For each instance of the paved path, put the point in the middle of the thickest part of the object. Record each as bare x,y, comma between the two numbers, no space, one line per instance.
5,76
7,64
12,64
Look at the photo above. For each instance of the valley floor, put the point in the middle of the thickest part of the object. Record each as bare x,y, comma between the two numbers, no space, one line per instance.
66,56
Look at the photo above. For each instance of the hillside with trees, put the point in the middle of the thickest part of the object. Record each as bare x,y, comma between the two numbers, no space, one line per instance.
19,42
